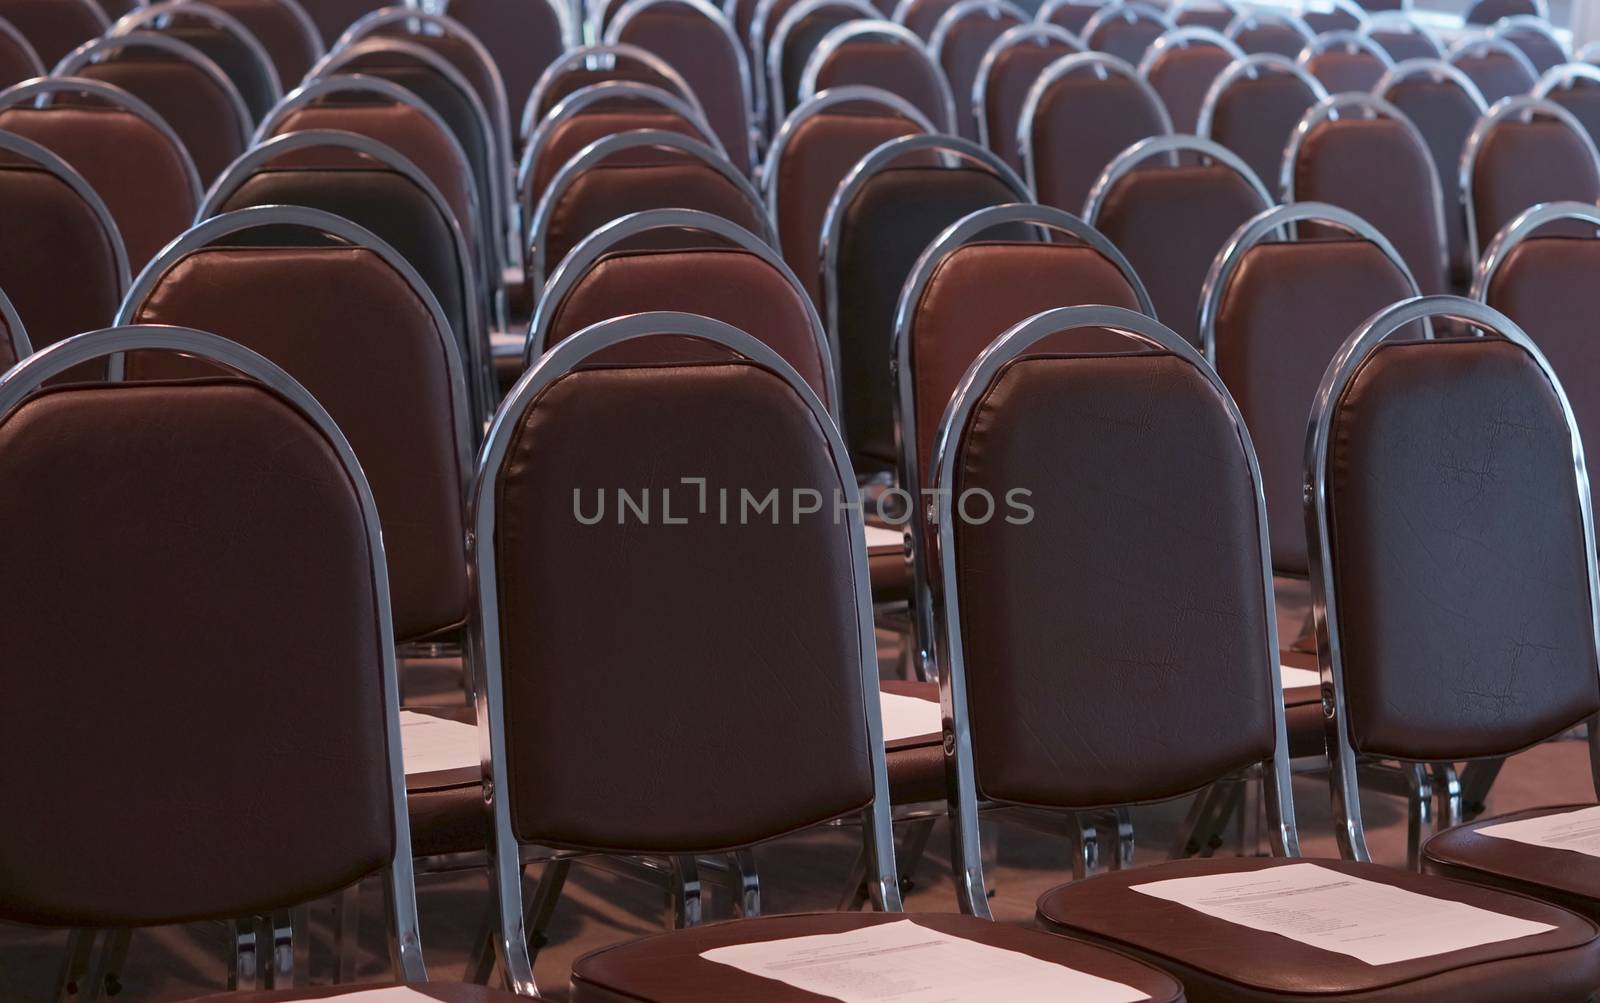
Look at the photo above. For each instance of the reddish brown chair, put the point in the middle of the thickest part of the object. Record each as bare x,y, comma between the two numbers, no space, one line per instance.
598,64
1180,66
1345,61
18,61
1069,15
284,30
799,31
332,17
1401,37
1005,76
226,41
1327,16
921,16
14,343
1575,87
1491,11
1537,40
1254,105
523,36
959,43
55,27
1213,14
1499,68
885,55
1273,32
1125,30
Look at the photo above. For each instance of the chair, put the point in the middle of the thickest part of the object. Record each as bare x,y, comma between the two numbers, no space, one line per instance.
1125,30
1327,16
226,41
284,30
1081,112
1492,11
959,43
921,16
695,39
55,27
1537,40
1401,37
1345,61
1030,730
332,17
1523,151
1069,15
1361,153
798,32
819,759
816,148
121,147
1213,14
18,61
180,82
1575,87
890,206
1171,185
523,36
1253,107
595,64
1271,32
1499,68
14,345
885,55
1005,76
1445,105
1181,65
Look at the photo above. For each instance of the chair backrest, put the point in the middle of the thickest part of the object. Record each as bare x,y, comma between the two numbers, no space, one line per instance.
886,211
816,148
885,55
332,17
1363,154
1536,38
1274,32
523,36
55,27
1181,65
959,43
1254,105
696,39
122,148
183,85
1082,111
1326,16
1069,652
1575,87
1499,68
802,718
1273,313
1498,648
1170,185
595,64
1213,14
14,343
1125,29
1345,61
801,28
1491,11
1402,38
1006,74
18,61
284,30
226,41
1523,151
921,16
356,301
220,539
1069,15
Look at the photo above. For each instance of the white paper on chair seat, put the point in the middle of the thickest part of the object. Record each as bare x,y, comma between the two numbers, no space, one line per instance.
909,717
906,963
1293,678
1578,831
882,538
1372,922
431,744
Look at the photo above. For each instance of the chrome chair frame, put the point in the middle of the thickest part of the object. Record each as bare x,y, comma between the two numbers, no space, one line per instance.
579,57
1184,37
17,332
1349,8
1253,19
41,158
1103,66
967,856
1397,22
888,30
1522,227
1564,77
1475,46
511,940
18,39
1179,7
1168,146
1350,41
964,9
1506,27
1128,11
1036,32
1047,10
566,17
1251,68
774,103
1438,70
155,16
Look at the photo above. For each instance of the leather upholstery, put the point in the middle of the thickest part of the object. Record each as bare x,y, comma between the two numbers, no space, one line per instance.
16,62
54,28
334,16
1565,878
1540,50
348,309
1182,76
963,49
1584,103
249,73
1254,118
891,65
1221,962
610,646
1496,74
1082,123
1445,115
1011,76
8,347
1074,16
1283,317
1340,71
1521,164
198,110
1215,18
802,40
56,262
1453,511
1082,692
523,36
1490,11
279,32
569,138
577,77
1126,40
250,649
1150,206
1271,37
668,967
923,15
456,51
1403,45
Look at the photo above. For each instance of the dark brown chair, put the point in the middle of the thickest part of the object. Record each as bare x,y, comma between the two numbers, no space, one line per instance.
224,40
523,36
128,154
284,30
1499,68
1492,11
1575,87
799,31
597,64
1081,112
55,27
1361,153
14,343
921,16
332,17
1146,675
885,55
1537,40
1070,15
959,43
1345,61
1401,37
1180,66
1327,16
818,759
18,61
1253,107
1125,30
1004,78
184,86
1213,14
1144,198
1273,32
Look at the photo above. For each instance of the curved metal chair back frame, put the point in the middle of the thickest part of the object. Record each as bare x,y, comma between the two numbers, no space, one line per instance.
1349,8
1180,7
566,16
1047,10
1183,38
1169,146
16,331
1480,45
43,159
1252,20
1398,22
1504,28
24,379
1505,108
1147,332
1348,826
154,17
1104,67
1251,68
1524,226
1278,223
1125,10
965,9
1349,40
595,55
844,34
552,366
20,41
1037,33
774,101
1565,77
1435,69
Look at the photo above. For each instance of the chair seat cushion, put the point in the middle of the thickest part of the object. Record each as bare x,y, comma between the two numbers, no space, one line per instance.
916,764
1222,962
444,992
667,967
1565,877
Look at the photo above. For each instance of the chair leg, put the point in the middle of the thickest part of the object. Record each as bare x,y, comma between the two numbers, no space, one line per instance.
1419,817
1125,840
685,894
301,920
75,965
744,863
989,846
1201,831
1476,781
346,934
106,975
242,962
542,908
480,963
1447,788
280,972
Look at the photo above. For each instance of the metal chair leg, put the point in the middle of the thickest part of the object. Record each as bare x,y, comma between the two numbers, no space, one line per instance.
75,965
744,863
242,961
1125,840
346,934
1476,781
1448,790
106,976
1419,817
542,907
280,964
686,905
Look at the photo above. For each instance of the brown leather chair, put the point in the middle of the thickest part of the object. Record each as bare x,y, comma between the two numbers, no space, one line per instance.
1143,198
14,344
1180,66
885,55
921,16
799,30
1328,16
224,40
1070,15
18,61
1402,38
818,759
523,36
1491,11
1213,14
284,30
55,27
1004,78
122,148
811,155
1346,61
332,17
183,85
1575,87
1499,68
1283,34
1125,30
1081,112
1361,153
1145,677
596,64
1253,107
959,42
1537,40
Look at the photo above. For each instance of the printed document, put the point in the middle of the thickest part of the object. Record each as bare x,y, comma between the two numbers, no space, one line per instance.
909,717
1578,831
431,744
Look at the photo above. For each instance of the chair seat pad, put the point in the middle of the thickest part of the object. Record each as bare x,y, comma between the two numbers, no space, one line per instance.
1565,877
444,992
1222,962
890,572
916,764
666,968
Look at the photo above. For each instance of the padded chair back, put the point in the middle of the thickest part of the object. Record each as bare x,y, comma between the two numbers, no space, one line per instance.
18,61
1402,38
921,16
1147,195
1327,16
1005,76
1492,11
1253,107
1524,151
332,17
1537,40
14,343
207,540
1575,87
1069,15
884,55
1213,14
223,39
1081,112
284,29
802,27
960,40
356,301
1361,153
1270,32
1275,311
811,155
122,148
1345,61
595,64
1499,68
1125,30
1180,66
55,27
523,36
185,87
